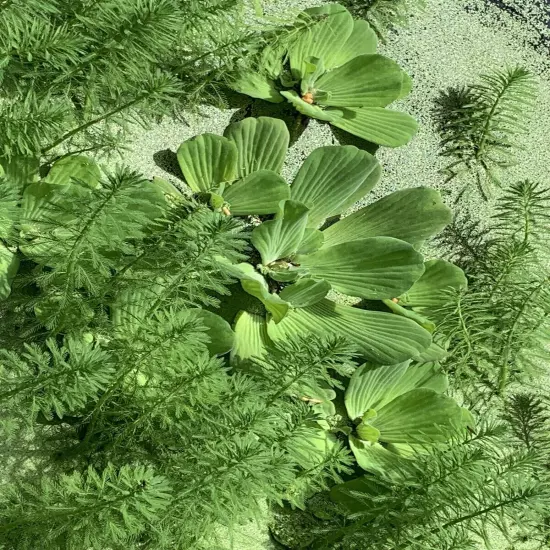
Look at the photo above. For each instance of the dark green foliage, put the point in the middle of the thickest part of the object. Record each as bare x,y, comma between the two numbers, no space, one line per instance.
120,428
445,502
384,15
528,417
479,124
75,74
500,326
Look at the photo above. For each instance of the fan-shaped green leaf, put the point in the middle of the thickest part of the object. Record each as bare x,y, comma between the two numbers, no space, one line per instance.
166,187
280,238
421,415
412,215
75,168
371,387
425,375
305,292
432,289
312,111
374,386
365,81
380,337
323,38
373,268
259,193
257,85
261,143
378,460
376,124
410,314
330,176
206,161
218,330
362,40
251,339
313,240
9,264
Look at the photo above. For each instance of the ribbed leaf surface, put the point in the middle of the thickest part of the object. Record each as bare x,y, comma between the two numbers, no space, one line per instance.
330,176
9,264
365,81
412,215
380,337
374,268
421,415
280,238
323,39
258,193
206,161
251,337
261,143
432,289
377,125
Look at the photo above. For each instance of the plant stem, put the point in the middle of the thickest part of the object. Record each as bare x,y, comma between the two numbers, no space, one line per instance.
92,122
504,367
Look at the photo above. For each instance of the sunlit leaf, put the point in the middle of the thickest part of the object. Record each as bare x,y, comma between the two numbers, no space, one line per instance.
364,81
412,215
432,289
280,238
206,161
261,143
259,193
374,268
9,264
380,337
330,176
375,124
305,292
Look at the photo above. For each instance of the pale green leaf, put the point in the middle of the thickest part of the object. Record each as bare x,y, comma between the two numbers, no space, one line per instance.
218,331
432,289
206,161
376,124
378,460
305,292
257,85
255,284
412,215
380,337
330,176
251,339
326,31
312,241
373,268
365,81
261,143
166,187
9,264
418,416
75,169
422,320
258,193
280,238
310,446
371,387
374,386
363,40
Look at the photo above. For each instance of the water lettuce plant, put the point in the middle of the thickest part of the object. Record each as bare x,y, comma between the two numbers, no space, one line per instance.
331,72
301,272
399,411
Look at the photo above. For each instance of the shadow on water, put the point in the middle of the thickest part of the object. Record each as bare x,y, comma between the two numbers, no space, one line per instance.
167,160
